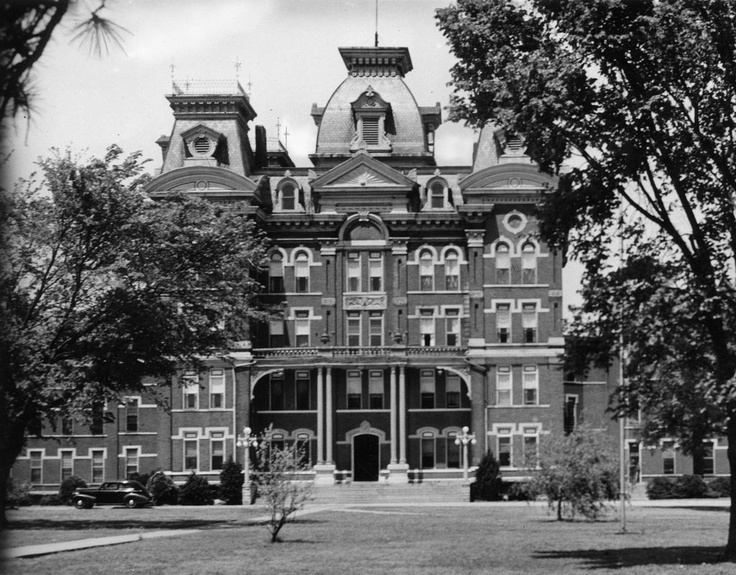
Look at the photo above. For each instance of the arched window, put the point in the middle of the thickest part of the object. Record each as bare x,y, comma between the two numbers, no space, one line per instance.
528,263
437,195
426,270
276,273
428,450
452,271
503,263
288,196
301,272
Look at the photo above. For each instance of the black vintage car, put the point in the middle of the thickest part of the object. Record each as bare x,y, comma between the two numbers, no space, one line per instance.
129,493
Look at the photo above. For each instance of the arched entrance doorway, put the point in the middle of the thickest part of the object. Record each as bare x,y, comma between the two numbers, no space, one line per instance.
366,460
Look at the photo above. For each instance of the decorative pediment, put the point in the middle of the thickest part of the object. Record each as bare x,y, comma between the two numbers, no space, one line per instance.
370,100
362,171
201,180
508,178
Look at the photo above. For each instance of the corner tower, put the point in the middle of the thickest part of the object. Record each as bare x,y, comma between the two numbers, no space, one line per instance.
374,111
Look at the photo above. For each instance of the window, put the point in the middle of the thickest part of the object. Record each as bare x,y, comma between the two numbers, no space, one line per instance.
190,388
301,328
353,272
276,273
131,414
530,447
98,419
668,457
503,385
426,327
426,271
452,327
437,192
375,328
217,388
276,333
528,264
354,389
571,413
428,450
375,389
276,442
67,464
98,465
131,461
452,384
530,384
302,390
375,271
36,466
529,322
67,426
453,451
190,452
503,322
504,448
452,271
708,458
301,273
217,451
426,389
503,263
276,390
288,197
353,329
302,448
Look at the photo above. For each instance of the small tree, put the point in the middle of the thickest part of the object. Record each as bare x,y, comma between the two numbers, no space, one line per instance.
67,487
231,482
279,486
196,491
488,484
577,473
162,488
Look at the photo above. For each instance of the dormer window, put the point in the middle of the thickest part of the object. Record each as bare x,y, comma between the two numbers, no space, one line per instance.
204,145
373,121
288,196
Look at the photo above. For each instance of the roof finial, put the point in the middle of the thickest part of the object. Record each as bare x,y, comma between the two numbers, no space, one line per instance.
237,66
250,86
172,68
278,128
286,137
376,24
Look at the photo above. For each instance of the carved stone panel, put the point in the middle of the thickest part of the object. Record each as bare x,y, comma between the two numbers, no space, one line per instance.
364,302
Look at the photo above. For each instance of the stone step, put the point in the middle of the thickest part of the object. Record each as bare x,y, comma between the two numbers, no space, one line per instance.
364,493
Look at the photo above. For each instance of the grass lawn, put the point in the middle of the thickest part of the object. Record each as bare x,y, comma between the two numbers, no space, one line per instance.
482,538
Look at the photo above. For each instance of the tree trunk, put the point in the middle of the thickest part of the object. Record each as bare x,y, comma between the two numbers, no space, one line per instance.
731,435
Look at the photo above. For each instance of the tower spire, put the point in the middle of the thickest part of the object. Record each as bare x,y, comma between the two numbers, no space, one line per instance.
376,37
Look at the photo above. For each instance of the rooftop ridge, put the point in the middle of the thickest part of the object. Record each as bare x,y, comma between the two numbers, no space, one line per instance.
212,87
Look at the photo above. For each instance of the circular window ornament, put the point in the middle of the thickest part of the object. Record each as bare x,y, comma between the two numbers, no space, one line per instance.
202,186
201,146
515,222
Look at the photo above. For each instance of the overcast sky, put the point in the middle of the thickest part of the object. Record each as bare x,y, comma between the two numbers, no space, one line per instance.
288,55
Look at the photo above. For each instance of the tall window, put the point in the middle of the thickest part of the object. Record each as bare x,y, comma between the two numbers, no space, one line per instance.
353,272
276,333
530,384
276,273
427,389
503,385
190,389
453,451
503,322
452,271
668,457
302,390
288,197
426,271
131,461
276,391
452,327
217,451
354,390
571,413
67,464
375,271
504,448
375,389
437,192
98,465
191,455
528,264
131,414
709,462
426,327
301,328
529,322
452,384
98,418
217,388
503,263
353,328
428,450
301,273
375,328
67,426
36,466
530,447
302,448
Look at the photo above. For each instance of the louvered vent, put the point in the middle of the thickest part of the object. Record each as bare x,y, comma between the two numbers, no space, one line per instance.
370,131
513,143
202,145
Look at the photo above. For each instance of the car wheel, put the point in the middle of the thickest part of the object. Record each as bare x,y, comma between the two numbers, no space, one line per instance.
80,503
131,503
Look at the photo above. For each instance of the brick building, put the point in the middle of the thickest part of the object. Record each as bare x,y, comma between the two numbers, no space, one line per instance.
417,299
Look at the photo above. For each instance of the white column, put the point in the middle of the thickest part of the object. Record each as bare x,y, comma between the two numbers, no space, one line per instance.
329,415
320,419
402,414
394,413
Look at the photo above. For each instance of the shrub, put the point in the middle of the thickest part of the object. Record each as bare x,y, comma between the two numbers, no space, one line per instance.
50,500
488,485
17,494
196,491
690,487
142,478
66,490
231,483
720,487
660,488
163,490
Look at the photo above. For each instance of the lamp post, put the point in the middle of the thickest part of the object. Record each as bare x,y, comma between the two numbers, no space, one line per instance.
246,440
465,438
